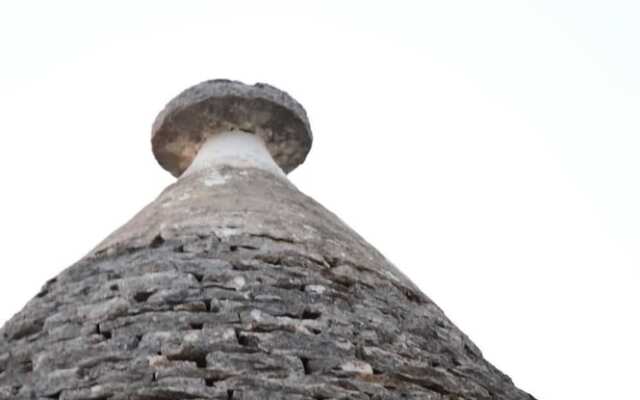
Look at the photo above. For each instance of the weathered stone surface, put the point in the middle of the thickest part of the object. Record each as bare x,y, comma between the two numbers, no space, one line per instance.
242,290
221,105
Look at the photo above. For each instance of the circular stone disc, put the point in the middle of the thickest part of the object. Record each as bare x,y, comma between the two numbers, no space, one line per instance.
223,105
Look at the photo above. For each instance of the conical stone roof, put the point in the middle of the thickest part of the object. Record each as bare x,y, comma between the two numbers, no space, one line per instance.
232,284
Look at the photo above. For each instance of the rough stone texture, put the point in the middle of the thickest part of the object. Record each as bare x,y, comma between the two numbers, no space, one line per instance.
234,285
222,105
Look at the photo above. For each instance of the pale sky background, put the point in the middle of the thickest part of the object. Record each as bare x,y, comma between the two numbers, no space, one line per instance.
490,149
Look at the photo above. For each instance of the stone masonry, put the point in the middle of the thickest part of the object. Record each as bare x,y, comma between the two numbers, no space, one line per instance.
234,285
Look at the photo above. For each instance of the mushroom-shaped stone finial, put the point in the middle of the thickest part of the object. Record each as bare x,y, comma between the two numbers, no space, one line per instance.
218,106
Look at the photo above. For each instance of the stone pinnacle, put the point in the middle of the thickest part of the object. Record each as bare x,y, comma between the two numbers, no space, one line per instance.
222,105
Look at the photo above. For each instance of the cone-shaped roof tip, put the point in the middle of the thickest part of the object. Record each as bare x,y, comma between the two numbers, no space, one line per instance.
223,105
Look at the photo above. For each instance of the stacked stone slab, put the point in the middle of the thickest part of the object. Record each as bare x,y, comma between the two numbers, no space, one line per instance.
232,284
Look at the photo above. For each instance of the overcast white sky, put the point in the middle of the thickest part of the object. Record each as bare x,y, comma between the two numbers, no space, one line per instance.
487,148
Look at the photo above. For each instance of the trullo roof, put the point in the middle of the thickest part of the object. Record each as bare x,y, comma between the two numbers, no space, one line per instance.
232,284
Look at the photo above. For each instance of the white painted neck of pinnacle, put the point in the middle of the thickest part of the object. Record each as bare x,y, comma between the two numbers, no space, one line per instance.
235,149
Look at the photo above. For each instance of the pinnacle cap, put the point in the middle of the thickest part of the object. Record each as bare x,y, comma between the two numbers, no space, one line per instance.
221,105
